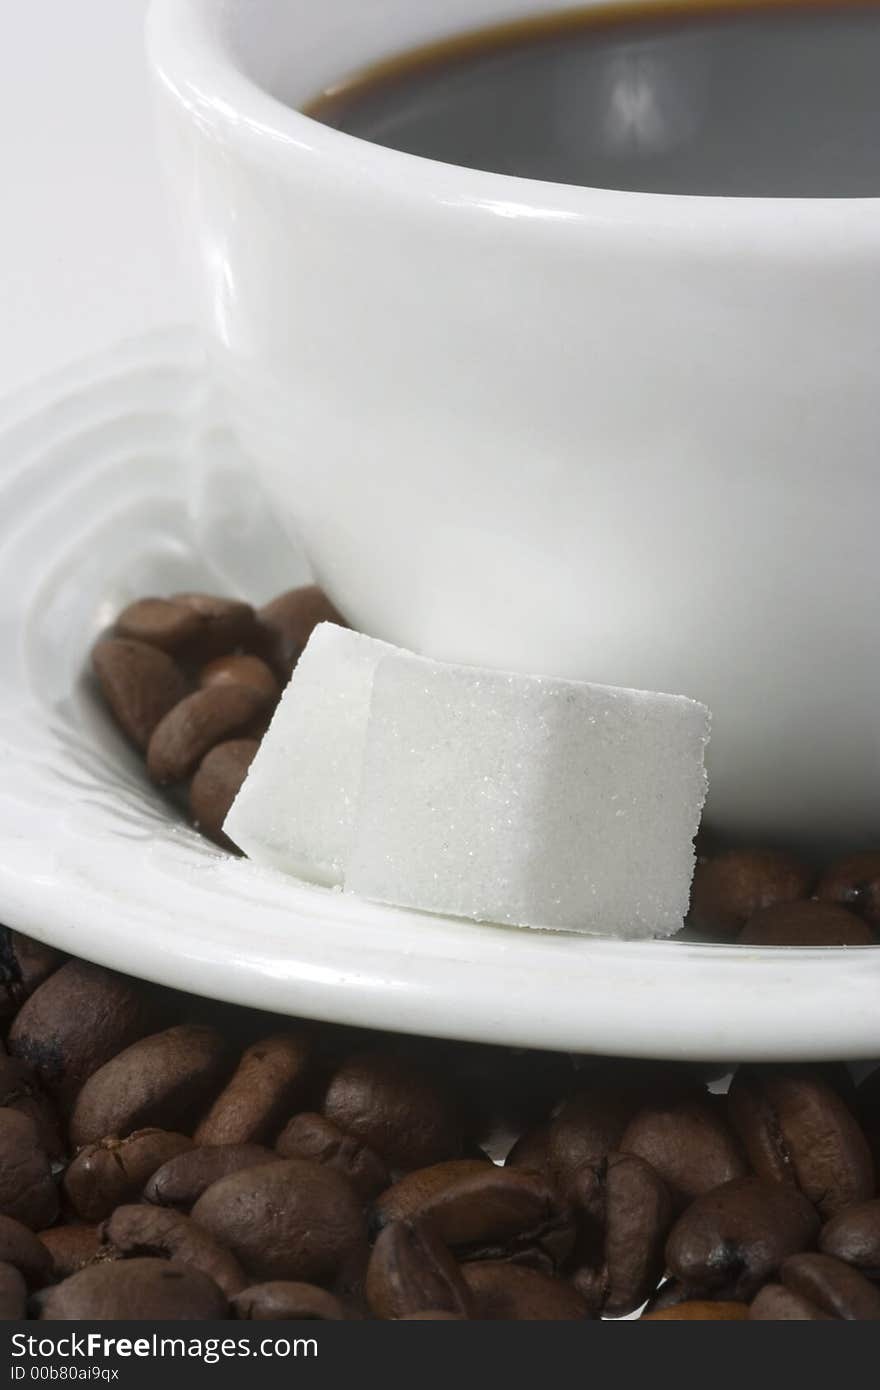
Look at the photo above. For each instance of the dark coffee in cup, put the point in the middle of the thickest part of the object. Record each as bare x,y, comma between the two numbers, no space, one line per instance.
751,99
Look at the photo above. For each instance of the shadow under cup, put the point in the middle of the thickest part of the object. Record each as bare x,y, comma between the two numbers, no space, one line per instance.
627,437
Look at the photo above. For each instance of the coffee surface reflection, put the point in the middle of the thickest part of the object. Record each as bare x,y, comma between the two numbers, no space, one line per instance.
778,99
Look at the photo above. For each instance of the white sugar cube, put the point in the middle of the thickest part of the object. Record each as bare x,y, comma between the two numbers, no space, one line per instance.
478,794
296,810
524,800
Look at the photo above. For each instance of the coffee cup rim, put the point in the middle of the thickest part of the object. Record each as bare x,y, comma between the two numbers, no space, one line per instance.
191,54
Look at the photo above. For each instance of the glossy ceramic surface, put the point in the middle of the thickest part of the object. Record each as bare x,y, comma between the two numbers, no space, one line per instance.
120,478
627,438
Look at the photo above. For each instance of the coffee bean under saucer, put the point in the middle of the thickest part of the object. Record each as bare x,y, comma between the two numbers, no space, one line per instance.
119,478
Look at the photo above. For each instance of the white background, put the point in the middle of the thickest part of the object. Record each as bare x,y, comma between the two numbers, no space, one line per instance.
86,254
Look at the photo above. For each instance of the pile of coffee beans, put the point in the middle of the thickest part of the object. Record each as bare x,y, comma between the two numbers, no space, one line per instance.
763,897
193,681
181,1159
164,1156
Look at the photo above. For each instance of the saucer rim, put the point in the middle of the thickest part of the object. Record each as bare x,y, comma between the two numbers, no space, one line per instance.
313,952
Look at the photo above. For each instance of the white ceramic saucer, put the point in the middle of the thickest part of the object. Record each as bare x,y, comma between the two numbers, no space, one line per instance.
119,479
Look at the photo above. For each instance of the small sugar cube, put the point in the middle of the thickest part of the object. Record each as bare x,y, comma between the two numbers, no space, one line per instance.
296,809
530,801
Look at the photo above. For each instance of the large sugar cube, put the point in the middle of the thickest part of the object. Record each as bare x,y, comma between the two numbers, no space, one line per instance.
537,802
478,794
297,808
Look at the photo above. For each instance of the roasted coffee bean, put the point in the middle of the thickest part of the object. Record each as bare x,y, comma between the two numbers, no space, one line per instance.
796,1129
35,960
24,965
289,620
19,1090
163,1080
194,627
288,1220
71,1248
774,1303
427,1315
730,888
627,1214
854,1236
104,1175
410,1270
284,1300
199,722
146,1290
133,1231
181,1181
697,1310
139,683
532,1150
806,923
225,625
510,1292
13,1294
158,622
835,1288
854,882
399,1112
590,1124
731,1241
688,1141
27,1190
315,1137
21,1248
216,784
270,1080
240,670
482,1211
79,1018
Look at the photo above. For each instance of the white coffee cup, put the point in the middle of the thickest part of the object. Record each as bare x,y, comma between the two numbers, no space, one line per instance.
631,438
